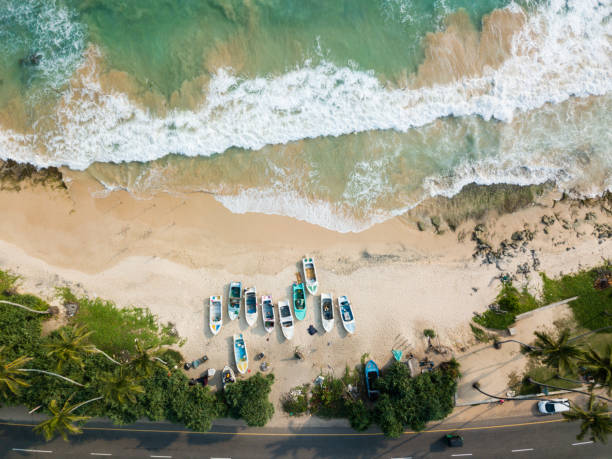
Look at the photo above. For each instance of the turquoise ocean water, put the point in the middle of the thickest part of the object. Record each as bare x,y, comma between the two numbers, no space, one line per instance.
338,112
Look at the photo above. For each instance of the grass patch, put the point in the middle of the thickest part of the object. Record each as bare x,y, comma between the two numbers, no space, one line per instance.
117,329
543,374
480,335
511,302
590,305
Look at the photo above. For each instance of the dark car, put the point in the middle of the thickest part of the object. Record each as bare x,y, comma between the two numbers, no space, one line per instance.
454,439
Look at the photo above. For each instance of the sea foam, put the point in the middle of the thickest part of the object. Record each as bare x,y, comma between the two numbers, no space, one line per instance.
563,51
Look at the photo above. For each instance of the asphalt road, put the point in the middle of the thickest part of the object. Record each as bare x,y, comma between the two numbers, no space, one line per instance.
516,437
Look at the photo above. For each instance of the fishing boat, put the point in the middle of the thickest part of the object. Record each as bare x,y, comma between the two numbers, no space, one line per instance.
227,376
310,275
250,305
346,314
267,313
286,319
371,375
299,301
215,319
240,354
327,311
234,299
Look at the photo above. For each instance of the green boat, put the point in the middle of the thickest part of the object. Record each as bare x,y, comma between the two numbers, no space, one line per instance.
299,301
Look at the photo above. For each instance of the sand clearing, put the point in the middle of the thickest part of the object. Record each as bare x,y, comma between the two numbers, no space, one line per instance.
170,253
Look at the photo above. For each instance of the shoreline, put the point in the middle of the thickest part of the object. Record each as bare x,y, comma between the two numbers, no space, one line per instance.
170,253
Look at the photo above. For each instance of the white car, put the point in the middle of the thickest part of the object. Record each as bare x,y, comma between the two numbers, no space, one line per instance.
558,405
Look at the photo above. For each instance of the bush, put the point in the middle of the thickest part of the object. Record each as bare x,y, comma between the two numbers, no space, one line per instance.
513,303
296,401
8,282
359,415
480,335
406,401
329,399
248,399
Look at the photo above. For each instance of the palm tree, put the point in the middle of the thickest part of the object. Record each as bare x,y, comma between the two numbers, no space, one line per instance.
599,365
595,419
120,387
145,362
10,373
62,421
72,343
558,353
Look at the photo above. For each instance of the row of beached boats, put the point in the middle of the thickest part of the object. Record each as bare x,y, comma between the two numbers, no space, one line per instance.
286,313
270,317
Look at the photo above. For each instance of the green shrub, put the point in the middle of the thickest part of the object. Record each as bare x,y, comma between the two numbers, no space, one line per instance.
329,399
359,415
248,399
480,335
296,401
406,401
513,303
8,282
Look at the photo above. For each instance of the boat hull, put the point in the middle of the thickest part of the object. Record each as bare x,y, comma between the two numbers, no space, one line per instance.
267,314
232,377
299,296
215,320
234,300
310,276
346,314
327,309
371,375
285,319
240,354
250,316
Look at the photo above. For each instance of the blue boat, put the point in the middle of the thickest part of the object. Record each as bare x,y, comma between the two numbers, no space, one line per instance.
299,301
371,375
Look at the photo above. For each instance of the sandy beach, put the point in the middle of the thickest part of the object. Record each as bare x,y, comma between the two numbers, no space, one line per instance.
171,252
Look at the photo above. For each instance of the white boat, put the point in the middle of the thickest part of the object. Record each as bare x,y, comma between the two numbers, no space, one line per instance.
227,376
327,311
215,319
310,275
250,305
346,314
240,354
234,300
267,313
285,317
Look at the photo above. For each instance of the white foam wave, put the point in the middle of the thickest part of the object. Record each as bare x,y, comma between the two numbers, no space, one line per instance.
289,203
48,29
561,52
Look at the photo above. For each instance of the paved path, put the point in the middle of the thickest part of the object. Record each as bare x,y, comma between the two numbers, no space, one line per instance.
531,437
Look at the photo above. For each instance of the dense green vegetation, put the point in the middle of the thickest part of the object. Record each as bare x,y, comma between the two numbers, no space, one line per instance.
403,401
248,399
133,378
590,308
511,303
